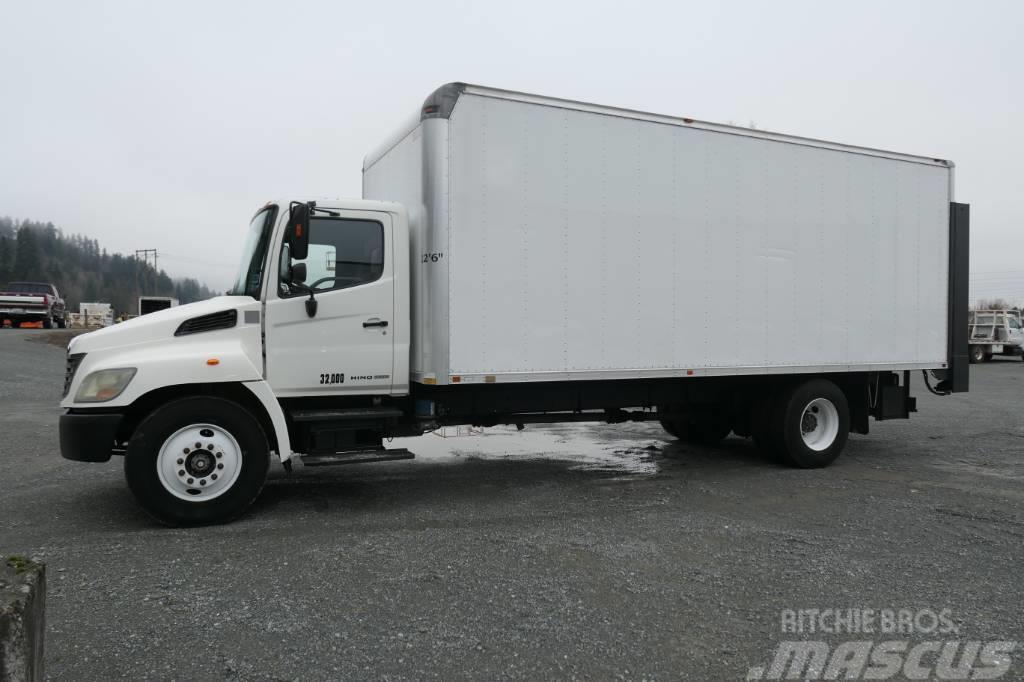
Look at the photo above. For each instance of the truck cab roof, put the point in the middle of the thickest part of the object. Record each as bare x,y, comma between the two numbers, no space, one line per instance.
343,204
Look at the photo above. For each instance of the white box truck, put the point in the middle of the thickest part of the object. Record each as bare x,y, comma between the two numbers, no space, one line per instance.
519,259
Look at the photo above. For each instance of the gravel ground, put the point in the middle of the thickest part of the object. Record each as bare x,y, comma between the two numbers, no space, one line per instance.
586,551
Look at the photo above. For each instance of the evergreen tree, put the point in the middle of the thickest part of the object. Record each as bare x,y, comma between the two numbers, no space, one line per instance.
28,263
5,259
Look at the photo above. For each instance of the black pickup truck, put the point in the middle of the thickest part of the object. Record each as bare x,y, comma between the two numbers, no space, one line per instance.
32,302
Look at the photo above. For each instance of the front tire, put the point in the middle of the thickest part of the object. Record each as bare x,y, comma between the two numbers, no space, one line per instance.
811,424
197,460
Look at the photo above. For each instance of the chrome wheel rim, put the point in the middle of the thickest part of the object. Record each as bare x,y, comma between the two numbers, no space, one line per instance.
199,462
819,424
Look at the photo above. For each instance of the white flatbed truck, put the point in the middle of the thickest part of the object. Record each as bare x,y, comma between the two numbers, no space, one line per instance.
995,332
518,259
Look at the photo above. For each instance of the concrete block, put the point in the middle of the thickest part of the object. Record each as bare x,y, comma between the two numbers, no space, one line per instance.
22,619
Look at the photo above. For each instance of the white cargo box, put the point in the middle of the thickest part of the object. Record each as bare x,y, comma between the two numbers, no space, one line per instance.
555,240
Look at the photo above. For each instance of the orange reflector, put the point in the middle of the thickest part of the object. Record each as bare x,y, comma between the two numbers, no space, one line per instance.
689,372
298,230
213,361
456,379
430,381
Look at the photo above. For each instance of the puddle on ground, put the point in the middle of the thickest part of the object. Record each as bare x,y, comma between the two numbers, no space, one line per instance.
577,444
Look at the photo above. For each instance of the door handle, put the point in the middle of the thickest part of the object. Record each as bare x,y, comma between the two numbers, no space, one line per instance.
375,323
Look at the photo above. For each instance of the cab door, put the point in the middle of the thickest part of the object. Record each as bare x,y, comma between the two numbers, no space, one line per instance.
346,347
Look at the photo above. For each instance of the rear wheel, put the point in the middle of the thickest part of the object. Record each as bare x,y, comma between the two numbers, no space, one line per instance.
47,322
811,423
197,460
977,354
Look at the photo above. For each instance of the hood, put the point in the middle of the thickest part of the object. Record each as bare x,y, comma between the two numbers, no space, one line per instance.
158,326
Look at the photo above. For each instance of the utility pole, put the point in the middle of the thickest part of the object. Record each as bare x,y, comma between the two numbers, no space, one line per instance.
146,253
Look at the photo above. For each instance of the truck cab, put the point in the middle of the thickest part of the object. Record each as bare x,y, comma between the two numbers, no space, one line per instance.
312,341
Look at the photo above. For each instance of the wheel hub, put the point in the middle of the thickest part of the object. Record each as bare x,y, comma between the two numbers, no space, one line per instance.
199,462
810,420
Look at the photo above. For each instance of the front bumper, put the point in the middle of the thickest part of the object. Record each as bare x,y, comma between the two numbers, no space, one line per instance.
88,436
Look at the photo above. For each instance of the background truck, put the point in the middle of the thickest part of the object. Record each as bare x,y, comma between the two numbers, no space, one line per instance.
995,332
519,259
151,304
32,302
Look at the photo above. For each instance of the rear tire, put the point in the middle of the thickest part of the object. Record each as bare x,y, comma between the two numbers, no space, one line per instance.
47,322
977,354
181,480
698,429
761,422
811,423
670,427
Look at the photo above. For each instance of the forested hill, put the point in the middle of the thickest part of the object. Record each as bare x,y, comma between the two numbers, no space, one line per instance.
82,271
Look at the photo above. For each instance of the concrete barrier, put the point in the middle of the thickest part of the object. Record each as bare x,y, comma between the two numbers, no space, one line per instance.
22,619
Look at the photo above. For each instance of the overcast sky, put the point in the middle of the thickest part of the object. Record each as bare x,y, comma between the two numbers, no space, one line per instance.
165,125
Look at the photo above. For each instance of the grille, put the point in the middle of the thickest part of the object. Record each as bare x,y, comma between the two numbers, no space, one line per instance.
70,367
225,319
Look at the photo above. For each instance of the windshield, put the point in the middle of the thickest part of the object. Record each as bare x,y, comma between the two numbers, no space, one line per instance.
254,255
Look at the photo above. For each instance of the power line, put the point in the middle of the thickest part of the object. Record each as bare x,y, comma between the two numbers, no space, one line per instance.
145,256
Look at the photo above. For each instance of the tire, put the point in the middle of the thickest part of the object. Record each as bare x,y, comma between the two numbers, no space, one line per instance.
977,354
701,431
62,323
810,424
47,322
204,485
670,427
988,357
760,425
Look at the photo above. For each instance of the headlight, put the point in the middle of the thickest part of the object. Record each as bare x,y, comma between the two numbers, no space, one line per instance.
104,385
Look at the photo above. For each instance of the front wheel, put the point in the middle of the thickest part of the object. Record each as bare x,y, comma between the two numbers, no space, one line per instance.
811,424
197,460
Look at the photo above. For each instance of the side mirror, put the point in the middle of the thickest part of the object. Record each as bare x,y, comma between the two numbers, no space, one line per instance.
298,273
297,234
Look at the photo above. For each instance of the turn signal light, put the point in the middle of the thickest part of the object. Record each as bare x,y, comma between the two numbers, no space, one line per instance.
213,361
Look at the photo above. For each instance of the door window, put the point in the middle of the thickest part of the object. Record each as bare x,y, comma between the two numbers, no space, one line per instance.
342,253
